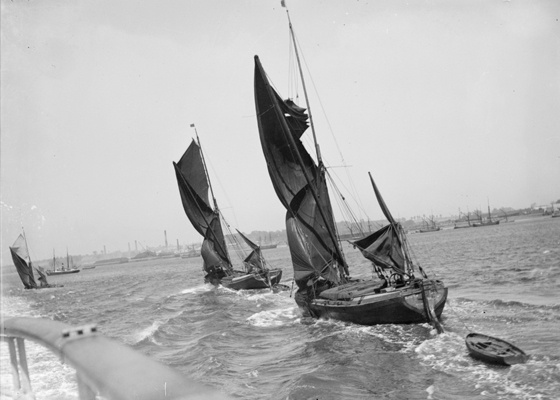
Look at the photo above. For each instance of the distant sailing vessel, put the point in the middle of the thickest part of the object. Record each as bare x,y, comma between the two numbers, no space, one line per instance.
63,270
467,218
321,273
506,220
431,226
24,266
555,211
268,245
488,221
194,184
191,253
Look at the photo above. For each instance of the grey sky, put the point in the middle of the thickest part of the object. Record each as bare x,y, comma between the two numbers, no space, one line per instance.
448,103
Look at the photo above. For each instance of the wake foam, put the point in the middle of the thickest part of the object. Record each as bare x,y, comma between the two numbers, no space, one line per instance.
197,289
277,317
146,333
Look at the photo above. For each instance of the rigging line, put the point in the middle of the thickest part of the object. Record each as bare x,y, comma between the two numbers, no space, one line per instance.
232,237
319,99
349,218
353,193
319,155
347,207
224,193
341,201
204,164
293,87
353,187
311,123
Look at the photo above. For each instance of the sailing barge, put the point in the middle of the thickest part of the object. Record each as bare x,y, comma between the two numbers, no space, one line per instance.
194,187
404,294
24,265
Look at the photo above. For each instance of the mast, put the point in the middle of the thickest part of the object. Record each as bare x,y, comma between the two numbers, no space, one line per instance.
332,234
67,259
292,35
53,260
216,209
205,169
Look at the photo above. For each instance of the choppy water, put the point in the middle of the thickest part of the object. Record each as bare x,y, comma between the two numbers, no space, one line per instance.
503,281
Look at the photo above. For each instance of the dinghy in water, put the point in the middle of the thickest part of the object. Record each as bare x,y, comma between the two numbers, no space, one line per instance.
494,350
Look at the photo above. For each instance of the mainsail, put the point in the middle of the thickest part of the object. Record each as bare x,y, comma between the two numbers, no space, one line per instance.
300,185
20,256
193,186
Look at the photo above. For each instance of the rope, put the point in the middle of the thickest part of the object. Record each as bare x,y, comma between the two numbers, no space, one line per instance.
450,308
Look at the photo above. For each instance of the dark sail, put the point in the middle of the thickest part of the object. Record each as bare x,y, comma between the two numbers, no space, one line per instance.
381,202
193,186
42,277
309,242
309,222
255,258
213,250
384,247
19,256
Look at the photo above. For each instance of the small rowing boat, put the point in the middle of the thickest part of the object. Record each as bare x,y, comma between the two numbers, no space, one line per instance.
494,350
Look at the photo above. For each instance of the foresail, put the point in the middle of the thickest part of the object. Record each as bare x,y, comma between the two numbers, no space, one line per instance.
249,242
42,277
384,249
254,258
291,169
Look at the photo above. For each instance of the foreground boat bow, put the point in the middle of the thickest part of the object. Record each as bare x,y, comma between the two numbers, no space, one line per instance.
103,366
